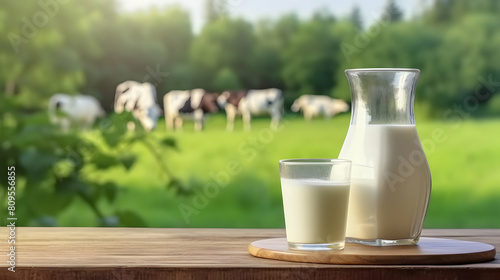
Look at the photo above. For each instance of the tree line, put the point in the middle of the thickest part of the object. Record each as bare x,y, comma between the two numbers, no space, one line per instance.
90,47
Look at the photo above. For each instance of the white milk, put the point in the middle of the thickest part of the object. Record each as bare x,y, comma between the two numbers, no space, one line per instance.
390,183
315,210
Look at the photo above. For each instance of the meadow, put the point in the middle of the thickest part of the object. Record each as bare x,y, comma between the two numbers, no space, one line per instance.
463,160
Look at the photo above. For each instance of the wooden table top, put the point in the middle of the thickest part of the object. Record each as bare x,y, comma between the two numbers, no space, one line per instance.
157,253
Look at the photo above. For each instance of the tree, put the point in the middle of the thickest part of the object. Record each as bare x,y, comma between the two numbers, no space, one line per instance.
284,29
311,60
392,11
224,43
467,55
272,38
266,64
171,27
346,33
43,51
440,12
450,11
138,61
356,18
168,35
226,79
417,47
323,15
214,9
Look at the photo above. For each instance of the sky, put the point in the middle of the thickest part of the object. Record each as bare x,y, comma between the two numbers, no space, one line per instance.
253,10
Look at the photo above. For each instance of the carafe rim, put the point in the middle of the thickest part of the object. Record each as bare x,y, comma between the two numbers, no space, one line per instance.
314,161
382,70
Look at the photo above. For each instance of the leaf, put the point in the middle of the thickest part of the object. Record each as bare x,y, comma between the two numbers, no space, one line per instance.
110,190
128,160
95,191
179,187
112,139
134,138
71,185
104,161
37,164
45,201
114,129
173,183
63,168
128,218
170,142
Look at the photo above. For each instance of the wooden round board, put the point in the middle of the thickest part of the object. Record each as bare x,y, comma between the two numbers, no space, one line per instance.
427,251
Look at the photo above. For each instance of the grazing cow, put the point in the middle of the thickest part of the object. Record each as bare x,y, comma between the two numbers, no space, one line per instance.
188,104
252,103
141,100
80,110
315,105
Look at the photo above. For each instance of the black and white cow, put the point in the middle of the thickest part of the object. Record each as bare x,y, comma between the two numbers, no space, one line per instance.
141,100
193,104
252,103
316,105
79,110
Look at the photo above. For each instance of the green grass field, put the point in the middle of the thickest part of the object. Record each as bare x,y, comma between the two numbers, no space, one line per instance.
465,171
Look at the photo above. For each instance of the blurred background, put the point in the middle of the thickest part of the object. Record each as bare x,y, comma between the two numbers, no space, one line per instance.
109,176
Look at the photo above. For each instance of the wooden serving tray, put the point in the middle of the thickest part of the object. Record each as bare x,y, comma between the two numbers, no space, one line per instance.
427,251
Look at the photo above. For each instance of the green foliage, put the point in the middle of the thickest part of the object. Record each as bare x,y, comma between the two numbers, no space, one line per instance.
393,12
214,9
446,11
130,219
469,55
41,52
310,66
226,79
494,105
355,17
90,47
272,38
53,169
281,32
225,43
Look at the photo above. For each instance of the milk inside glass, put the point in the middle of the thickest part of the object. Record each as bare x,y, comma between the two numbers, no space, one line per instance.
315,210
390,182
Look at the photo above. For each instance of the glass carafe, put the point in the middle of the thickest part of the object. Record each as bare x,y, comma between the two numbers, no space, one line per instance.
391,181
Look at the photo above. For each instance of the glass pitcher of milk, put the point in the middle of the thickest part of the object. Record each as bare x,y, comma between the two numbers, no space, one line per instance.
391,181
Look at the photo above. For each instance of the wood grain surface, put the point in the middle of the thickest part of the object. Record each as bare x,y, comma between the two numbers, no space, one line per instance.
428,251
154,253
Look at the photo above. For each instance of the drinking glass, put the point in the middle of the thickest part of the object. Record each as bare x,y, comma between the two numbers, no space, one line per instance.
315,200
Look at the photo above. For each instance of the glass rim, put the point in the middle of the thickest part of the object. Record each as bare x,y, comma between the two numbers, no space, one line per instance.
314,161
383,70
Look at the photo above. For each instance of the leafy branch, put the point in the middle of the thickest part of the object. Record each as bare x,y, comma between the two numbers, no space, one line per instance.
52,167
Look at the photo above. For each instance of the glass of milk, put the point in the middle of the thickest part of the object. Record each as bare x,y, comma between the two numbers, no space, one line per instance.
315,200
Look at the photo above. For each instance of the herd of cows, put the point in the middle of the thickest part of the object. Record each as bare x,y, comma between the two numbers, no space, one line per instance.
141,100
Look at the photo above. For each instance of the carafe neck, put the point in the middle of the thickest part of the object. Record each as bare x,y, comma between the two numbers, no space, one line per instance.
382,96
